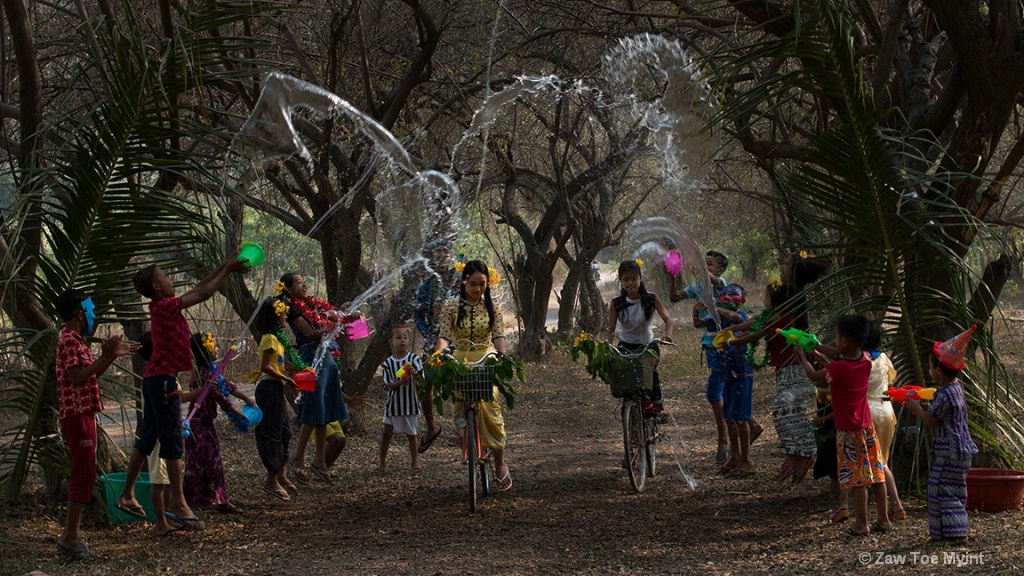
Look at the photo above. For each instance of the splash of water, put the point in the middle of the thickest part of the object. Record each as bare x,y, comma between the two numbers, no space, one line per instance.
680,452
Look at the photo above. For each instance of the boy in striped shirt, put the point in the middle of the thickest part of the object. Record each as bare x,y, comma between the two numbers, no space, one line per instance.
402,406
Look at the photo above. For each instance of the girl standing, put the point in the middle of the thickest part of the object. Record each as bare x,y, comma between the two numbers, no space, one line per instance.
274,432
204,472
631,315
952,445
473,318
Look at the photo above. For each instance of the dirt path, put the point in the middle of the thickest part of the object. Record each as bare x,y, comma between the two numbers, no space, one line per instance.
571,510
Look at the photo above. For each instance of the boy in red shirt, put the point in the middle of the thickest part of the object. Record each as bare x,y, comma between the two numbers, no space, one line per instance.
78,396
161,408
856,447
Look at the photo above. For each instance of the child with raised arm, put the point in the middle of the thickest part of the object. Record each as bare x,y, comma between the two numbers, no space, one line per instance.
402,406
952,445
631,316
204,483
161,417
716,263
856,447
78,399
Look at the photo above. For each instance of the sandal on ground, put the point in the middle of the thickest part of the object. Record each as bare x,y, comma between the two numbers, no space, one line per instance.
852,531
840,516
428,439
298,473
190,522
505,482
786,471
722,455
322,475
900,514
77,551
291,489
229,508
280,494
880,528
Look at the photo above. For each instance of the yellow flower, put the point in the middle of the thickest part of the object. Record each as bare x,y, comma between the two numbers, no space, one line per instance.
639,262
209,343
280,307
583,337
459,267
774,284
804,255
278,287
493,278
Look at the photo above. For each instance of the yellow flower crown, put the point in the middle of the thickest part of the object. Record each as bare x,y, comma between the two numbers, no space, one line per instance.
493,278
278,287
639,262
210,343
280,307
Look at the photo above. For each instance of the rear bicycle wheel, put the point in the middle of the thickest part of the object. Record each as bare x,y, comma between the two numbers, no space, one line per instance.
651,439
633,440
472,457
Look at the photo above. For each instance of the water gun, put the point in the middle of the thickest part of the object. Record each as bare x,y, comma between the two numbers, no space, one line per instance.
910,392
797,337
405,369
217,373
721,341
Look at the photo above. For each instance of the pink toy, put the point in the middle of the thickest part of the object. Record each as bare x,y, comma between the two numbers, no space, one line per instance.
673,262
357,329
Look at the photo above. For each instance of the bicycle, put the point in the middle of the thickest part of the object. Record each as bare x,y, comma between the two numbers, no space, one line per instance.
476,385
631,378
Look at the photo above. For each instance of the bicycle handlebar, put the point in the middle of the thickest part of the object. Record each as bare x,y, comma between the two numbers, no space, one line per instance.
642,351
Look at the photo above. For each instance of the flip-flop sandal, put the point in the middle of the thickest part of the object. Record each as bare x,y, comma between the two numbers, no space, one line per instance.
299,474
852,531
722,455
189,522
280,495
786,471
900,514
428,439
133,510
505,482
840,516
876,527
77,551
229,508
291,489
322,475
176,532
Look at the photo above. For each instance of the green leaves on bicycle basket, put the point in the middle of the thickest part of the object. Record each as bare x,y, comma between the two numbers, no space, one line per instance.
443,375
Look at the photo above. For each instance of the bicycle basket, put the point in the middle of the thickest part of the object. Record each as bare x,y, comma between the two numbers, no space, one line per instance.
628,376
476,385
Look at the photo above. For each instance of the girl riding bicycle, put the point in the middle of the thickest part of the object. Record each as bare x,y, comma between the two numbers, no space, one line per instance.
474,317
632,313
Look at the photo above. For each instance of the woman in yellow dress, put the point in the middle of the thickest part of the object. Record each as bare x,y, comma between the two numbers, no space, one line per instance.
472,325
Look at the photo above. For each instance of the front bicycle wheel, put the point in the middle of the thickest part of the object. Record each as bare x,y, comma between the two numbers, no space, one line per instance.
633,439
651,439
472,457
486,477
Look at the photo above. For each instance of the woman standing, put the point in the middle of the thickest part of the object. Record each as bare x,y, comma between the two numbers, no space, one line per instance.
473,326
310,319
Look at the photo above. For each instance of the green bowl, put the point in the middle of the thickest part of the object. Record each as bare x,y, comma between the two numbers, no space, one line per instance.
253,253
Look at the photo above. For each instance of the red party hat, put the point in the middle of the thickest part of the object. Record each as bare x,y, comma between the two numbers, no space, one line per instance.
951,352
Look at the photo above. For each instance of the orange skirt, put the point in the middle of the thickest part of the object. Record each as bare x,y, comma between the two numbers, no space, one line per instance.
858,455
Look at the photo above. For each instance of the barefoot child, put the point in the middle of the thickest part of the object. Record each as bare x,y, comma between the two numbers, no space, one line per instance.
739,385
204,483
78,398
856,448
161,417
274,432
952,445
402,406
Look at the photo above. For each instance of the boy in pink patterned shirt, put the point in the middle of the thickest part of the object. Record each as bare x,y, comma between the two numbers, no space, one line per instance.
161,417
78,397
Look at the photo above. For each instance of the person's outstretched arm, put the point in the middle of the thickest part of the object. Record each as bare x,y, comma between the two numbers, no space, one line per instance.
208,286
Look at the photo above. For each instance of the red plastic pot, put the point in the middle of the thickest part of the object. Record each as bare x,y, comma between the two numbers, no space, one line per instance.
305,381
994,489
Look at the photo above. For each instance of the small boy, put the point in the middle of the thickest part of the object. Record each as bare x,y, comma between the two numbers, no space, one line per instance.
78,398
738,379
402,406
161,416
856,446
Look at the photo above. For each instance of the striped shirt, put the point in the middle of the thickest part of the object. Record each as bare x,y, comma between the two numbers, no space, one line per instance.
402,401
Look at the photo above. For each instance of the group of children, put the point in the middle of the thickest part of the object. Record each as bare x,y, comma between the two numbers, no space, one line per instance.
852,377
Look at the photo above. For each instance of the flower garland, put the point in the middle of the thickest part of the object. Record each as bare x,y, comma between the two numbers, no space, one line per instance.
313,310
289,351
240,422
759,322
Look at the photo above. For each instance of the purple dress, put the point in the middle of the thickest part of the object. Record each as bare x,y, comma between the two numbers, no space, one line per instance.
952,451
204,472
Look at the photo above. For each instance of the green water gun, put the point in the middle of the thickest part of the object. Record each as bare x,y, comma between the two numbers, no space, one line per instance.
797,337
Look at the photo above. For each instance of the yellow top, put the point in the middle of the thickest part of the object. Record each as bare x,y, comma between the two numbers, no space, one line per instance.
474,329
270,342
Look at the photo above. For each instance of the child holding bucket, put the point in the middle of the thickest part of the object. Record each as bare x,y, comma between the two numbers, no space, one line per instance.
204,483
274,432
952,445
78,398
